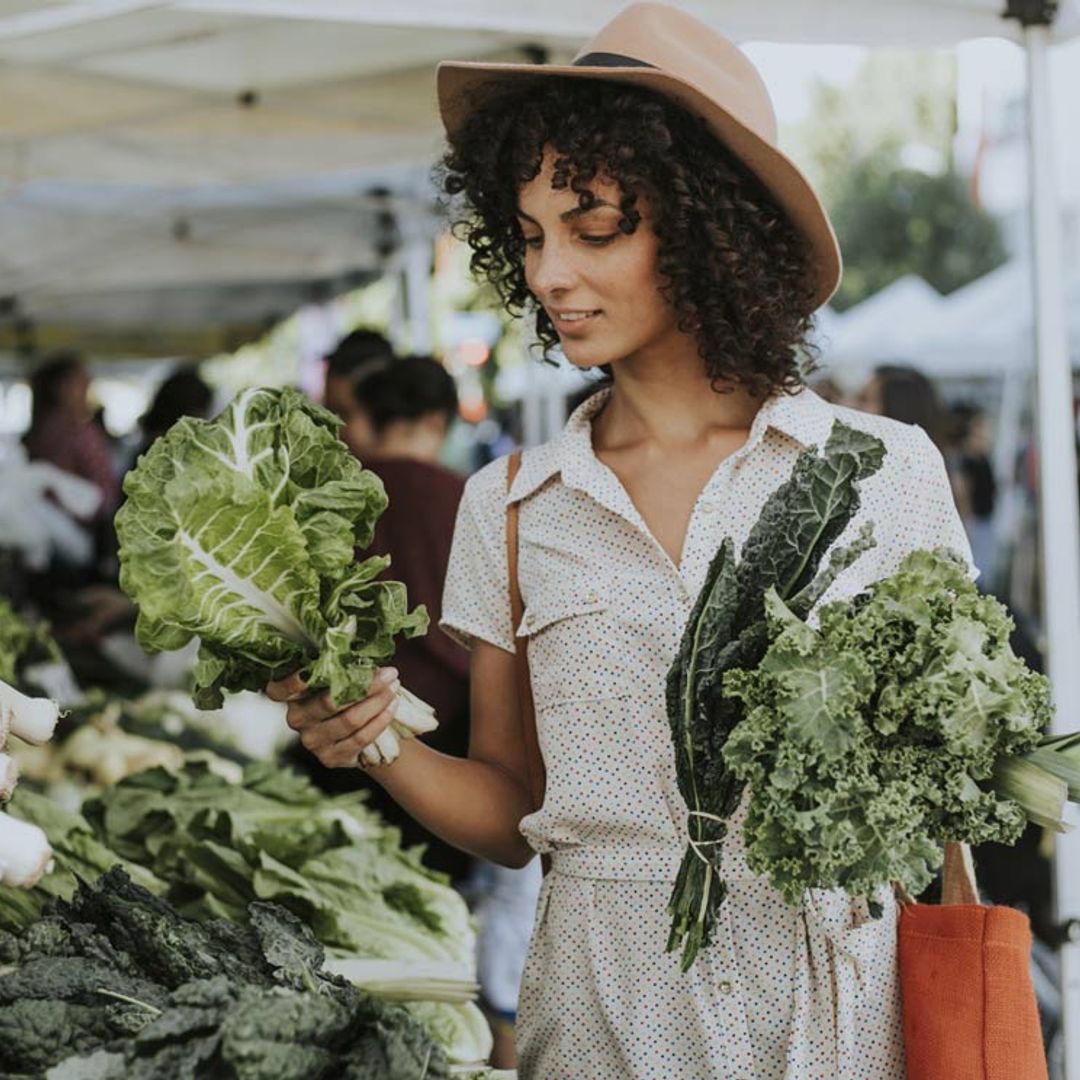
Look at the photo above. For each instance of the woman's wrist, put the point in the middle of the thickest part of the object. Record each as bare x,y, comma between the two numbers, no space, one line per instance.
385,771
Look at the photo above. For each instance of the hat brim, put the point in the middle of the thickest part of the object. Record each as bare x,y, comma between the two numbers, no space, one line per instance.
463,85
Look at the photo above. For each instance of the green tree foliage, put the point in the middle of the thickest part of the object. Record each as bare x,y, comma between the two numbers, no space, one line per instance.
893,221
879,149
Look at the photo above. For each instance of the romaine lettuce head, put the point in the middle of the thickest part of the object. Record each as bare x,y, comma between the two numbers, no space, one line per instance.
241,531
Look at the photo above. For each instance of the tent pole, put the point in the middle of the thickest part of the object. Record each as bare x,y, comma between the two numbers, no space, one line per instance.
1060,522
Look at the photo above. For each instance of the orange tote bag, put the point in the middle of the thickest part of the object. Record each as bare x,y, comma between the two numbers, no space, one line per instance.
969,1003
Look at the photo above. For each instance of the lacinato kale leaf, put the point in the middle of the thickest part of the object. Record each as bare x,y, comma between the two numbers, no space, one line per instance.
169,949
75,979
727,629
37,1033
288,946
115,984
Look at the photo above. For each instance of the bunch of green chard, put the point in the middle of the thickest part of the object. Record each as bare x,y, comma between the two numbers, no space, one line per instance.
902,720
241,532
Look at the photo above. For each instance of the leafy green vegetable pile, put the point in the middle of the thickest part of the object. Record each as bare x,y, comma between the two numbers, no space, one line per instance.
212,847
902,721
276,837
115,985
77,854
22,644
241,531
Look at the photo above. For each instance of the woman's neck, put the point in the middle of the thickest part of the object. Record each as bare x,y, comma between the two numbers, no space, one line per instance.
670,404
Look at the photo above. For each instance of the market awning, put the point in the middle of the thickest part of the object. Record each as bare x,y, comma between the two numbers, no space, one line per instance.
172,143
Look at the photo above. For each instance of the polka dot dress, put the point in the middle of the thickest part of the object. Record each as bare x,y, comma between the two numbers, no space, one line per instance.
783,993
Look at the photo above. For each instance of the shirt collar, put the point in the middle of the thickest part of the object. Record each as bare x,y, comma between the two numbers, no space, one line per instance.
568,453
803,417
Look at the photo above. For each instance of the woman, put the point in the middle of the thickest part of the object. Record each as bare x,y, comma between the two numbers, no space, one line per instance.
903,393
636,201
183,393
358,355
62,429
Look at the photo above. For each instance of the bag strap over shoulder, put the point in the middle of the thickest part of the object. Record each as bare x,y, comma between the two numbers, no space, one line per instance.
527,711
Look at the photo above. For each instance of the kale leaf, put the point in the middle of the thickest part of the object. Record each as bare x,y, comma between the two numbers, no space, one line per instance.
727,630
116,984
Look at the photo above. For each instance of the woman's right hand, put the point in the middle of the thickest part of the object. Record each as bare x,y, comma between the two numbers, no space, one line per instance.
337,735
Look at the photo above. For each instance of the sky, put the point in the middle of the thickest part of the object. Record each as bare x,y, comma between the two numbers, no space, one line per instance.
790,70
991,74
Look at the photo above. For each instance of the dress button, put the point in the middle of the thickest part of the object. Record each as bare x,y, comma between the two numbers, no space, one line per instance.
592,598
726,987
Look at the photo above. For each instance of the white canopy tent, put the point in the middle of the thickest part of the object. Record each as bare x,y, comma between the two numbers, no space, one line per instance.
986,329
185,100
132,129
988,326
887,326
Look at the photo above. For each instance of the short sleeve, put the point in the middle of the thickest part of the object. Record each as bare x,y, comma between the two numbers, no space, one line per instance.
476,596
941,524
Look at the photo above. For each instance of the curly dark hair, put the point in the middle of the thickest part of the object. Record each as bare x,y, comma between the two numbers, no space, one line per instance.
734,268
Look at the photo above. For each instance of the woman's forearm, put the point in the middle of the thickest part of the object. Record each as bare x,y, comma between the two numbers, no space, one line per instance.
471,804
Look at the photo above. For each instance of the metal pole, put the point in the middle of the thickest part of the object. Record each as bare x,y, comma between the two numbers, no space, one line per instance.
1059,517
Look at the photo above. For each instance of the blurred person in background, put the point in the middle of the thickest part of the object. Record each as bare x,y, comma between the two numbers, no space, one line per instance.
183,393
62,429
64,433
102,608
411,406
828,390
406,408
357,355
903,393
971,436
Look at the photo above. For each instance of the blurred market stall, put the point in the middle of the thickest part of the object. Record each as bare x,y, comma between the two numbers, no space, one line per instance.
174,173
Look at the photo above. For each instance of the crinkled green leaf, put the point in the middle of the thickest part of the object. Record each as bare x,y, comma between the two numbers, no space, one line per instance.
241,532
871,740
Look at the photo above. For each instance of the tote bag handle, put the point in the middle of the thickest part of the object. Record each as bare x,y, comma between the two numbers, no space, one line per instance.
526,706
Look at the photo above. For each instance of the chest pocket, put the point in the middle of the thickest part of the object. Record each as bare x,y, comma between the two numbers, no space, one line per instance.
575,652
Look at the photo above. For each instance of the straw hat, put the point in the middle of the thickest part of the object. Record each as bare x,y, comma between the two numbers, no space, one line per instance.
666,50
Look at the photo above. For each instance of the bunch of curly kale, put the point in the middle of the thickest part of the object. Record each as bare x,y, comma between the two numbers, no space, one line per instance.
894,725
901,720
